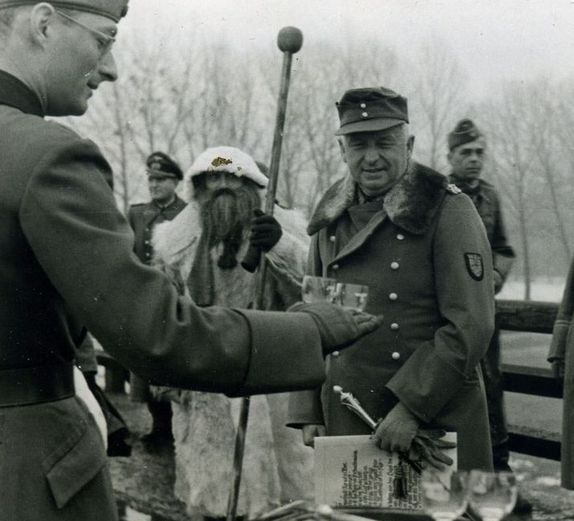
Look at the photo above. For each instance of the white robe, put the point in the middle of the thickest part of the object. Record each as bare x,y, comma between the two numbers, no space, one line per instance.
277,466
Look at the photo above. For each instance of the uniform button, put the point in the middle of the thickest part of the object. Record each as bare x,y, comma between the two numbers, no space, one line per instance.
363,105
395,326
396,355
332,238
393,296
400,237
147,242
335,354
365,114
394,265
335,267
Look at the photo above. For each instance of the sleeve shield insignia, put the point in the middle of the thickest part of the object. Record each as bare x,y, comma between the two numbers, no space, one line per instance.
474,265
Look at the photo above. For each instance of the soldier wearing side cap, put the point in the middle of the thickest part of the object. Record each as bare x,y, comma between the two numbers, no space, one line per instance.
467,153
418,243
67,262
163,176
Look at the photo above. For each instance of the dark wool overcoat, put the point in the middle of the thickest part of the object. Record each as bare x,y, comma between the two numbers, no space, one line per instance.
426,259
65,246
562,349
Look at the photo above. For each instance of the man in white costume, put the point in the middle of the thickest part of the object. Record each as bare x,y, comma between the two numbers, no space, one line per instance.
202,249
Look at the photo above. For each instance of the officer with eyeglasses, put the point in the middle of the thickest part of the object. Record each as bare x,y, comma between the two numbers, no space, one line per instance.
67,264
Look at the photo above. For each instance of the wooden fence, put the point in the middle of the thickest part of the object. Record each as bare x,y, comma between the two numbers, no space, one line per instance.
530,317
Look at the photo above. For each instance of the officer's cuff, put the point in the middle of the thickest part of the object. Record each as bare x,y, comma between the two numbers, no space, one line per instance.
286,353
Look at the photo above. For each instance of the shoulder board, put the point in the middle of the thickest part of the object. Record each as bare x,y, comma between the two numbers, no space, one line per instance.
453,189
138,205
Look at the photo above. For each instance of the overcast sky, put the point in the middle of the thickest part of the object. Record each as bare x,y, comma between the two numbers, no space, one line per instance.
493,39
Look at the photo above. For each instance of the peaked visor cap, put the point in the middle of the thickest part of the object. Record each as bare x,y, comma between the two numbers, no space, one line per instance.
112,9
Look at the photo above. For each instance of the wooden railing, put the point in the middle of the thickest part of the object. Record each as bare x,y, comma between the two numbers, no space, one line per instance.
511,315
530,317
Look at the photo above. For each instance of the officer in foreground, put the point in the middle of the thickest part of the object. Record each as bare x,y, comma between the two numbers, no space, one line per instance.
163,176
67,262
418,244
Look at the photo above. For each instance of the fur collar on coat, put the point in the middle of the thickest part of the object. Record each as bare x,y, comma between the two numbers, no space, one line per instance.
411,204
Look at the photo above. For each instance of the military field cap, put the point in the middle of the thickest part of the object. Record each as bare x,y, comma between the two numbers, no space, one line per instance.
371,109
464,132
161,166
113,9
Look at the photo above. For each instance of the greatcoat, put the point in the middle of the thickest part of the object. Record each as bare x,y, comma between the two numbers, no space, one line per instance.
487,202
67,260
426,259
562,350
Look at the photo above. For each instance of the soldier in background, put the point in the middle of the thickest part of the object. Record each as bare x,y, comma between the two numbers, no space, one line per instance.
467,152
164,175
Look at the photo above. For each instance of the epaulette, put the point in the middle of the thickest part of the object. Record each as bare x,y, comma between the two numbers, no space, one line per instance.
453,189
137,204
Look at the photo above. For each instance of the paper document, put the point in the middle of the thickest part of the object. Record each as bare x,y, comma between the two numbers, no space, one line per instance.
351,471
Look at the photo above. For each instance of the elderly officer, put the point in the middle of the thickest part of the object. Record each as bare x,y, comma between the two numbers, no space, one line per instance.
467,153
163,175
419,245
67,260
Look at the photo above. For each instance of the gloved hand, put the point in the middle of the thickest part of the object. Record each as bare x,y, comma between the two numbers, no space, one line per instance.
311,431
265,231
338,327
396,432
428,445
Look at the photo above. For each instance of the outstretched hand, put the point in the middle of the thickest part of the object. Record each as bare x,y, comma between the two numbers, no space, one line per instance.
337,326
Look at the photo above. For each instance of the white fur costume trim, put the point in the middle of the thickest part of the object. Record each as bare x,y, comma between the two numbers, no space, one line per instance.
175,242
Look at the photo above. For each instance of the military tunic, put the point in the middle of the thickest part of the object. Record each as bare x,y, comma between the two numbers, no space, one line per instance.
425,257
144,217
65,246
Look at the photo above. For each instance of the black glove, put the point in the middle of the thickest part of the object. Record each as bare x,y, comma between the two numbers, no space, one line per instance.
265,231
338,327
428,446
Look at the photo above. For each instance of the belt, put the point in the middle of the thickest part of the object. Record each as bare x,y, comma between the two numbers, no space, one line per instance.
32,385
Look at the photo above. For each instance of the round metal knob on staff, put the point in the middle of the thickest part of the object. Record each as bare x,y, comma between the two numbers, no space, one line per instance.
289,41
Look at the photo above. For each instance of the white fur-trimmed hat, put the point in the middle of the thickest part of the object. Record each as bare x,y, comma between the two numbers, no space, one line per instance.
227,159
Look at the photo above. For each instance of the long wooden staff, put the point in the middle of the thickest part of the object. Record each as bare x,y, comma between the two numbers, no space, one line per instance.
289,41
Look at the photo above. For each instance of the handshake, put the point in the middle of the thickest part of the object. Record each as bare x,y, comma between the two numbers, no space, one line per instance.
338,327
